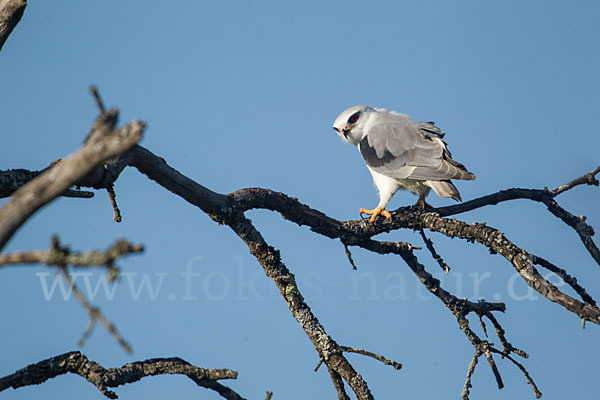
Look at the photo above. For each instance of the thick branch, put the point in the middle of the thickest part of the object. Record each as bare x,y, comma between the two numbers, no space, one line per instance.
11,12
354,233
545,196
157,169
104,378
358,233
230,210
52,183
328,349
568,279
519,258
13,179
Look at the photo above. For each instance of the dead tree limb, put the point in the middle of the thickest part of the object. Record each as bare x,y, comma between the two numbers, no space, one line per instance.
63,256
329,351
104,378
13,179
230,210
95,315
544,196
103,143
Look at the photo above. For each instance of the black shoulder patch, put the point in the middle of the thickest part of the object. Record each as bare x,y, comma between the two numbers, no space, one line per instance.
370,155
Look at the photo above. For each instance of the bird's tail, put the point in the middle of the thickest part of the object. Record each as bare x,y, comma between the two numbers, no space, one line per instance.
445,189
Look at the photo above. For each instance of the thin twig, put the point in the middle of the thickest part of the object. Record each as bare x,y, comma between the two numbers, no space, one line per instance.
482,323
488,356
396,365
113,201
529,379
95,315
349,255
433,252
319,364
589,179
97,98
470,371
507,347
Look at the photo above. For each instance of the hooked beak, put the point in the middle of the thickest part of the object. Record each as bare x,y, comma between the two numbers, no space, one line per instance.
344,131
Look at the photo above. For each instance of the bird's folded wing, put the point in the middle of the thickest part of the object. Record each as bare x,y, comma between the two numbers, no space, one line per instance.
402,150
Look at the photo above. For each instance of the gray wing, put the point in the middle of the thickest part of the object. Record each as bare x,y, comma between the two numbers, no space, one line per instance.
407,149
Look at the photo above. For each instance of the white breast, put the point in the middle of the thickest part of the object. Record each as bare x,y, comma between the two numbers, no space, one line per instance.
388,186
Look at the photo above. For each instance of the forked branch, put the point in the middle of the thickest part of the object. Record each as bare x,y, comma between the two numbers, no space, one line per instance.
230,210
105,378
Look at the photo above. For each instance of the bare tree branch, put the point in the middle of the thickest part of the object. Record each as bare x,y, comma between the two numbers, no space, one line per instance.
230,209
519,258
349,255
94,313
358,233
104,378
377,357
534,387
545,196
99,103
63,256
507,347
113,201
47,186
338,384
497,376
11,12
568,279
433,252
588,179
13,179
466,389
328,349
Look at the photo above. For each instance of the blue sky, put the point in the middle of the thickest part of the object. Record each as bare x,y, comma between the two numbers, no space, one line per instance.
244,93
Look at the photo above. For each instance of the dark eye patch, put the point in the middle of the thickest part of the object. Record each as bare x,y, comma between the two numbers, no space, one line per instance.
354,117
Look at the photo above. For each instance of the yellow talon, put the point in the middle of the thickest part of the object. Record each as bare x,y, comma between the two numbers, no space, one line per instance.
374,213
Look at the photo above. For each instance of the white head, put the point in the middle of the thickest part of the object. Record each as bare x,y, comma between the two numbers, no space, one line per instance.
351,122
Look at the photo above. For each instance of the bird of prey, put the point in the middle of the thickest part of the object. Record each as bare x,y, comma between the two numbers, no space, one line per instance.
401,153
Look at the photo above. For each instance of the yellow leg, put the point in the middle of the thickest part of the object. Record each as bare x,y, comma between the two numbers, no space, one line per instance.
422,203
374,213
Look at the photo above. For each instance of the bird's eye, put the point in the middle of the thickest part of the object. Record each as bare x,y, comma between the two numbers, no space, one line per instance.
354,117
